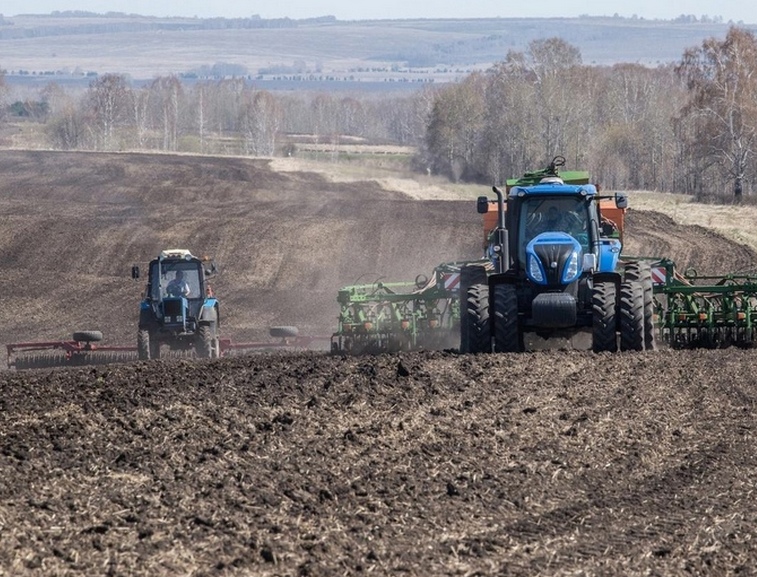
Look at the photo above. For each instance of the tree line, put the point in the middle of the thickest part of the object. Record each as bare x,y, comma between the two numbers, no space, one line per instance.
688,127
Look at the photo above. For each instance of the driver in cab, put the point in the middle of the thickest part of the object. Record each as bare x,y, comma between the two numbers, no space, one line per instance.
178,287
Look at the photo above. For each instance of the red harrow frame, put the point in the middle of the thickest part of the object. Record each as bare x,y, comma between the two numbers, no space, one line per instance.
84,349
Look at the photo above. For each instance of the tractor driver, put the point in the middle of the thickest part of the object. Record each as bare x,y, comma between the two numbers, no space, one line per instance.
178,287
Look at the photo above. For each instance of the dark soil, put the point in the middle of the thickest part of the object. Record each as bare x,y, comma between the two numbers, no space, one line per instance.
427,463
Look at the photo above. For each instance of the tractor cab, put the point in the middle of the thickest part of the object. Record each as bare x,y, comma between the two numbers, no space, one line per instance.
549,228
555,233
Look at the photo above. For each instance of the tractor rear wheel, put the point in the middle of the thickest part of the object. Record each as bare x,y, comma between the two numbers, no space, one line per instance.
475,318
206,346
641,272
469,275
604,317
508,337
631,316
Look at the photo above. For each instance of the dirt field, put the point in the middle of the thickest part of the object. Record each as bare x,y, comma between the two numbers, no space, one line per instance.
433,463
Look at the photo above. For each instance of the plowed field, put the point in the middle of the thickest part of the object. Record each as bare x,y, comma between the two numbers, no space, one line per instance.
428,463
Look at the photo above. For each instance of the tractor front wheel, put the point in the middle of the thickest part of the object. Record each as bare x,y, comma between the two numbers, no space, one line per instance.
641,272
631,316
474,322
604,318
207,346
143,345
508,338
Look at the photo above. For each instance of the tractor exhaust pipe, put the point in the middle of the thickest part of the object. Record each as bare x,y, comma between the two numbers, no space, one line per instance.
501,232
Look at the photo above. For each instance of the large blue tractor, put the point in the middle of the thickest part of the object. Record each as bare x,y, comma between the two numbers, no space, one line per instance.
179,310
554,271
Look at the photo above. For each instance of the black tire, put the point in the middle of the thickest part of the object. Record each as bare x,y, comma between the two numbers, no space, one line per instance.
508,338
604,318
631,316
88,336
143,345
641,272
283,332
205,346
478,333
469,276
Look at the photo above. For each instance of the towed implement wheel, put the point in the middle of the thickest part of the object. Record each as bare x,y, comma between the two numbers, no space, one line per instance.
508,337
283,332
631,316
604,321
88,336
474,321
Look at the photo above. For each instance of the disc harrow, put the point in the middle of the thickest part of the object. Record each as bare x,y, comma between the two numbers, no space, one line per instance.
82,349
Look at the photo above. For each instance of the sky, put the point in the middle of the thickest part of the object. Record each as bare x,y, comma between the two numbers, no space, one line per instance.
735,10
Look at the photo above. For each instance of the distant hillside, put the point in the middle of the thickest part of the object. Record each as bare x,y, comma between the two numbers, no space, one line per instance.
62,45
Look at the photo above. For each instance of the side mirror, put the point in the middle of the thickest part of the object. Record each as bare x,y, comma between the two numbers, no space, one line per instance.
482,205
621,200
135,272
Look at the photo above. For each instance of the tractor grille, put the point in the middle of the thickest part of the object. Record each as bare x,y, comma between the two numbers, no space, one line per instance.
553,257
173,308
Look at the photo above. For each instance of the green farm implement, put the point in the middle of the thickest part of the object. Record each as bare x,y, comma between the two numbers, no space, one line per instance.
396,316
696,311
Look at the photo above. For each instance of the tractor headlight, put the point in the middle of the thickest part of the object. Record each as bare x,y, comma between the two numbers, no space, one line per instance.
535,271
571,271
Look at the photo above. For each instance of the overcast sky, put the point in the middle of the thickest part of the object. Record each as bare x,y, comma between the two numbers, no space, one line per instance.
736,10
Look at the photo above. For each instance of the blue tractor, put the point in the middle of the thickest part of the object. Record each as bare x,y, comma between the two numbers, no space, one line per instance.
554,270
179,310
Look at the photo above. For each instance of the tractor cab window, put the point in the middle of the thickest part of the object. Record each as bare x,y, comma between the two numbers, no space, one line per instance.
554,214
175,279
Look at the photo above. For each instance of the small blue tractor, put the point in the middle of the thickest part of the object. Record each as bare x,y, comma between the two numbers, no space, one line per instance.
179,310
554,269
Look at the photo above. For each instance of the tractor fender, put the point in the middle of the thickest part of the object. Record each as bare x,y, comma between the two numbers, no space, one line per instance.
146,316
612,277
209,312
609,253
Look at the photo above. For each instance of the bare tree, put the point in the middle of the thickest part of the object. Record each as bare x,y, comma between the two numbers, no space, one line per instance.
167,93
3,91
260,123
455,126
721,77
141,112
108,100
554,63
